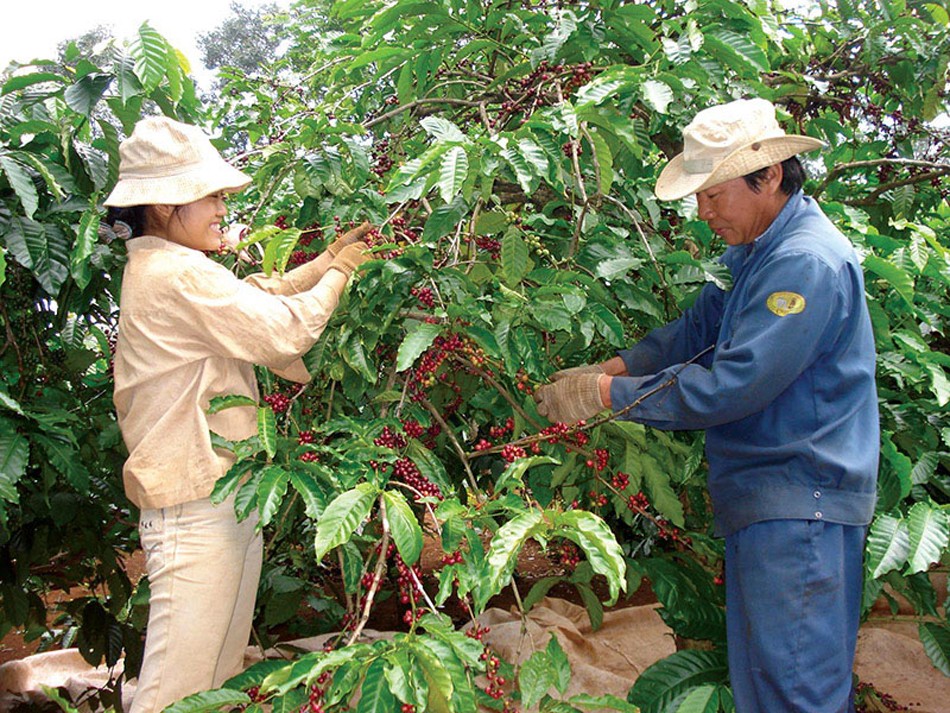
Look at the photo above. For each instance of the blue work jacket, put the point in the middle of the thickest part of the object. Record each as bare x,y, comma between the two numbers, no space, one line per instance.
787,395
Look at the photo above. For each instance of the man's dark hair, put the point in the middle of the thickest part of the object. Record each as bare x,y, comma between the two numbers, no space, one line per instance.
793,177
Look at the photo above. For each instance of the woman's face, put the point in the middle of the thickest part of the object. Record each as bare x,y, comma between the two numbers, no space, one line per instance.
196,225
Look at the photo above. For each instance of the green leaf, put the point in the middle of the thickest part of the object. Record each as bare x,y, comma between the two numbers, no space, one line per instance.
375,696
528,178
514,257
516,470
936,640
430,466
267,430
271,491
209,701
86,238
83,96
442,129
21,183
351,349
315,500
64,454
278,250
662,496
59,699
28,80
559,665
418,338
437,677
600,545
14,456
41,248
928,532
605,162
52,182
149,50
702,699
342,517
657,95
444,220
940,385
228,484
503,553
888,545
735,51
588,702
898,278
404,527
220,403
535,678
452,173
663,682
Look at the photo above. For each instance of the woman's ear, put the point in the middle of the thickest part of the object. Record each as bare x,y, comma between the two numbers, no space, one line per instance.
157,218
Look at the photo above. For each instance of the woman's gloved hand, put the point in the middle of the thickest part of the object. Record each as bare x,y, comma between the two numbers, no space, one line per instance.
350,237
351,257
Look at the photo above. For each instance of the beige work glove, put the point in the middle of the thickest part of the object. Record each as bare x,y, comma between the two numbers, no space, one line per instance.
350,237
574,370
571,398
350,257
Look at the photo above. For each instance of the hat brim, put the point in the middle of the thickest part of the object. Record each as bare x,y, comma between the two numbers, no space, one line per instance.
179,189
675,182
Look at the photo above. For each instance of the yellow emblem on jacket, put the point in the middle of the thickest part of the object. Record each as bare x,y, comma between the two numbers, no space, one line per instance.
785,303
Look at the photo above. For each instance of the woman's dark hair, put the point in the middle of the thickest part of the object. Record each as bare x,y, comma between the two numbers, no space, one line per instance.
793,177
133,216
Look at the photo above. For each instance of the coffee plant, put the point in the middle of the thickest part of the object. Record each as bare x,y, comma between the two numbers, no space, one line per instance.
507,151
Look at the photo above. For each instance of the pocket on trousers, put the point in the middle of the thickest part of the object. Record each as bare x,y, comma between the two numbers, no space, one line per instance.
152,538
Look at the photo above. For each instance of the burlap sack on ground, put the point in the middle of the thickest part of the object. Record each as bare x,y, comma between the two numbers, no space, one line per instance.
606,661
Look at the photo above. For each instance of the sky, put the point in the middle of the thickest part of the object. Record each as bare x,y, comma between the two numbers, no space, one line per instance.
33,28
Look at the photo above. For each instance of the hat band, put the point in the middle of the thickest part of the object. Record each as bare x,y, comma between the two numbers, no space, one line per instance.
698,165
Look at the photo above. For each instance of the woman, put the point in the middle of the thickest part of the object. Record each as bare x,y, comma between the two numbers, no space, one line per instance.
189,331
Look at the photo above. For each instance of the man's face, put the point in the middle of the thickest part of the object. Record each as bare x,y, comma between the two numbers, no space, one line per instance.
735,212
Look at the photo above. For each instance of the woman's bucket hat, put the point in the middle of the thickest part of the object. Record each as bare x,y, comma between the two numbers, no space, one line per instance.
166,162
725,142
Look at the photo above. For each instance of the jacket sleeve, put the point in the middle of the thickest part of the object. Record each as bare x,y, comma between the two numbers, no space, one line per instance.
680,340
300,279
772,342
220,315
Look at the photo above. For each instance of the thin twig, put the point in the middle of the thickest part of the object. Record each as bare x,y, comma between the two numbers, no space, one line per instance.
499,388
646,244
413,104
377,574
458,447
939,168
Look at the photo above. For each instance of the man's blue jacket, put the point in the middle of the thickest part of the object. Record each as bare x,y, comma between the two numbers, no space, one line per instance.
787,397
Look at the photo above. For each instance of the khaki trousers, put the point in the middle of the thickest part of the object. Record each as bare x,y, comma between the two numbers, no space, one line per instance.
203,568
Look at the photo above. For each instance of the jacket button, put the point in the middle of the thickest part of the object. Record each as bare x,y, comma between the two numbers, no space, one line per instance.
817,494
818,515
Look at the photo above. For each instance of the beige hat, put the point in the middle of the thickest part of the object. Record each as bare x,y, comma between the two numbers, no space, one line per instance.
725,142
166,162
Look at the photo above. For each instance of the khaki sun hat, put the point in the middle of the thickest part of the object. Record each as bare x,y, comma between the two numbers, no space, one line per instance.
725,142
166,162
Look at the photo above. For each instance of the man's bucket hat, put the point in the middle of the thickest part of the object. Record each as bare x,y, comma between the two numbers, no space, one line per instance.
725,142
166,162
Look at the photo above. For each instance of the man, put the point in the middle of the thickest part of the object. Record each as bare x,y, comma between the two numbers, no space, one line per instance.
786,396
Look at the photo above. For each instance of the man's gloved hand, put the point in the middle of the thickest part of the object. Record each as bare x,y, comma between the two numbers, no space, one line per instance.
574,370
571,398
351,257
350,237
